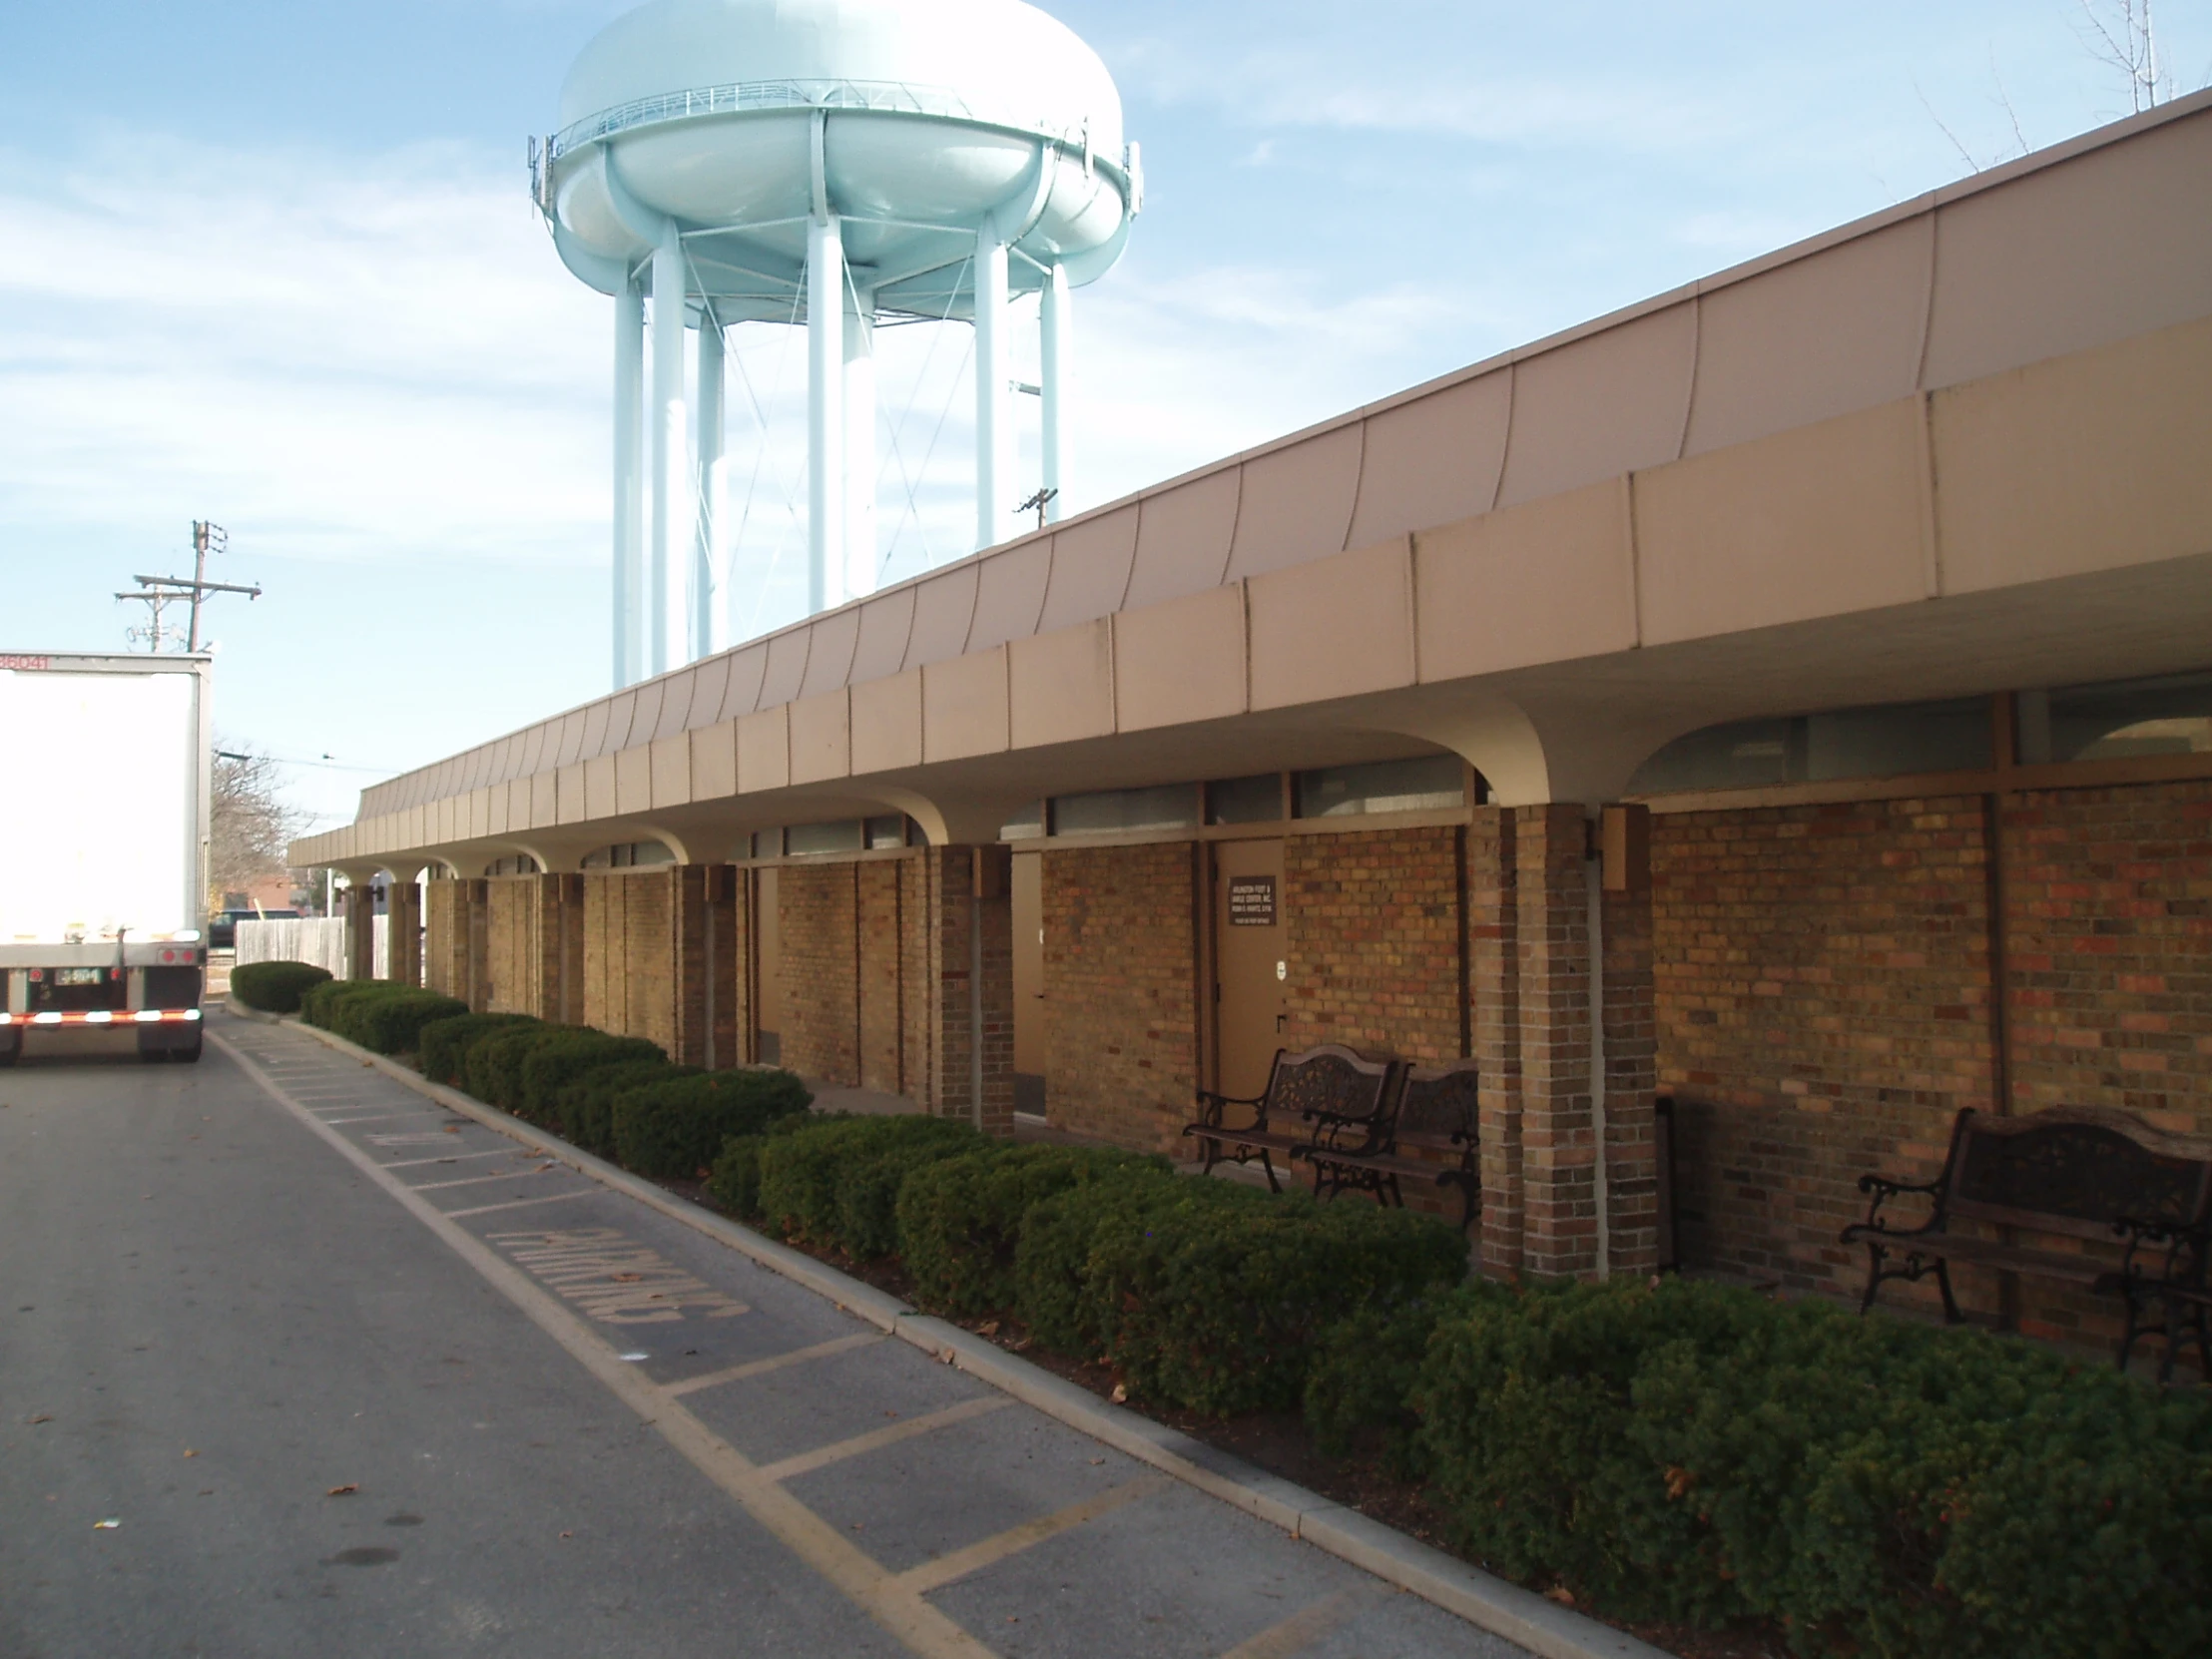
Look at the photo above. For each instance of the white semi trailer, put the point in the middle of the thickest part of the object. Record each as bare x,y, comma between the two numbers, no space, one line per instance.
104,854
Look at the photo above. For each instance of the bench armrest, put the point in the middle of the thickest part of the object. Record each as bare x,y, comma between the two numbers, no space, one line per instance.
1884,1189
1212,1105
2184,1254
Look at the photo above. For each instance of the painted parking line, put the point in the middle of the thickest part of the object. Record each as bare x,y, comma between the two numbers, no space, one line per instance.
476,1179
761,1367
452,1158
1302,1629
934,1575
890,1435
522,1203
382,1117
895,1605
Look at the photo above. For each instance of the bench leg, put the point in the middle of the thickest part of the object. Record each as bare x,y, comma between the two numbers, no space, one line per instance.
1951,1314
1267,1162
1874,1255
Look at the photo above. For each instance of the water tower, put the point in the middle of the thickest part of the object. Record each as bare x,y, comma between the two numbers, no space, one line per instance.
831,163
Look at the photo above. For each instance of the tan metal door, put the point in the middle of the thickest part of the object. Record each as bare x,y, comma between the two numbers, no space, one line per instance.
768,967
1250,969
1029,1012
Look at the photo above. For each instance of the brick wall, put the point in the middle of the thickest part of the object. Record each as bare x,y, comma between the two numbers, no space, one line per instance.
1376,942
629,960
1121,992
819,920
880,925
522,945
445,944
2109,917
1822,979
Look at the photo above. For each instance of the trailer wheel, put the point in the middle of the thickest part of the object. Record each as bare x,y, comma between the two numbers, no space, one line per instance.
188,1056
13,1047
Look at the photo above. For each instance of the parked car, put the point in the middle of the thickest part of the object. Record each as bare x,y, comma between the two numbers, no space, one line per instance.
222,927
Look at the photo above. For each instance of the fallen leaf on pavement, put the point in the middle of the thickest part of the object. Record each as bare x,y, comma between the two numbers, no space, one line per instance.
452,1129
1120,1396
626,1278
989,1328
349,1487
189,1452
44,1417
1561,1594
105,1525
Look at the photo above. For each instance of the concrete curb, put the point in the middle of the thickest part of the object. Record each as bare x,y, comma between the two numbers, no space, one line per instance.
1520,1616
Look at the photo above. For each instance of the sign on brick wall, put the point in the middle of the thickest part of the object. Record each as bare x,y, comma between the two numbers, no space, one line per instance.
1251,901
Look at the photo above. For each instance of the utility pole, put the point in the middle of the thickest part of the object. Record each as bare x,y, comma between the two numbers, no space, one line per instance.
156,591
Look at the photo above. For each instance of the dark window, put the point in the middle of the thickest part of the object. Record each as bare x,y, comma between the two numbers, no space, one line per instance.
1168,806
845,835
630,855
2118,721
1890,741
1430,784
1025,826
887,831
1245,800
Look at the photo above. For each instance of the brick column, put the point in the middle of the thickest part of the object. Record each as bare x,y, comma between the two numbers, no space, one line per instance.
706,969
360,932
967,919
1531,874
445,950
475,944
404,917
1631,1046
1493,985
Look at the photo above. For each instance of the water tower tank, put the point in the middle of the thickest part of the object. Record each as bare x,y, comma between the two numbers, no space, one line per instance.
829,163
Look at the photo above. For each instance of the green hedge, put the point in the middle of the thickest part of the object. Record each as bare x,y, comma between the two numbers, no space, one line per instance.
275,987
493,1069
584,1109
565,1054
1053,1290
443,1045
673,1128
1695,1452
959,1219
320,1004
837,1183
736,1181
392,1023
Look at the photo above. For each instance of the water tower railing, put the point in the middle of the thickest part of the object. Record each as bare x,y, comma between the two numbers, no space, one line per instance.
892,97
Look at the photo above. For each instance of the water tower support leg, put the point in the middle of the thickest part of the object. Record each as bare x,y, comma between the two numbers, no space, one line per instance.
671,517
824,414
710,537
994,472
860,445
629,538
1056,362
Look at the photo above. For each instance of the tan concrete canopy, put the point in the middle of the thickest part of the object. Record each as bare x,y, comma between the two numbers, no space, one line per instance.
1954,446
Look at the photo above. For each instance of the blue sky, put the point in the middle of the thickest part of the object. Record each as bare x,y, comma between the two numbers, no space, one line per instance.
273,264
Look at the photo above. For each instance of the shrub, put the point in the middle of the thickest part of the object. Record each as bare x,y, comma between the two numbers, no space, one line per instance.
1221,1305
1360,1384
1052,1291
320,1004
837,1183
565,1054
1694,1452
675,1127
584,1107
443,1046
736,1181
275,987
959,1219
392,1024
494,1065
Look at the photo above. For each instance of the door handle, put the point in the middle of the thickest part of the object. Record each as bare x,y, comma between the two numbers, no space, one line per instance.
1279,1019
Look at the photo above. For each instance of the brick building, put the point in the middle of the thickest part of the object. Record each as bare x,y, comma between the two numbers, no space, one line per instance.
1789,696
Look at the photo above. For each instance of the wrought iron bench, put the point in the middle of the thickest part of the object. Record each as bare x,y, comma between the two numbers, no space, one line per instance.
1437,1114
2165,1264
2082,1172
1327,1091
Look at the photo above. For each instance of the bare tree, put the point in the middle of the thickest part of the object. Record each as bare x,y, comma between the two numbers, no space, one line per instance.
252,826
2120,34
